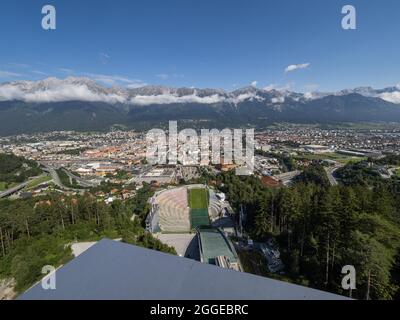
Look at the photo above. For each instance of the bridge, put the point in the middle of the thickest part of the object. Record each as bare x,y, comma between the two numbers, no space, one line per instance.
17,188
13,190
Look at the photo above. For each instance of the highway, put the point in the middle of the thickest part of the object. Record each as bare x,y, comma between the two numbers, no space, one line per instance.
17,188
57,181
82,182
287,177
9,192
329,172
55,177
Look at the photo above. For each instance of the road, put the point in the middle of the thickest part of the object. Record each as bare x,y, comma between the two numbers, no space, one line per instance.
57,181
393,171
55,177
10,191
329,172
287,177
17,188
82,182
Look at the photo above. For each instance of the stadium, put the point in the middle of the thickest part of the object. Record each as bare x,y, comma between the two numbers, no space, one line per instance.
183,209
192,219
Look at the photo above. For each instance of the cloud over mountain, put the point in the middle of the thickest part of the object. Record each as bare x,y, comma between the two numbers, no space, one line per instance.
294,67
83,104
134,92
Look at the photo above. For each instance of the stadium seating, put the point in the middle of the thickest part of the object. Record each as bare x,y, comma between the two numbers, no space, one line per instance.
174,214
173,210
214,208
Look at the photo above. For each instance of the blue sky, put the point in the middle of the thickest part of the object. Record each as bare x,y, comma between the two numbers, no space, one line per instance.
204,43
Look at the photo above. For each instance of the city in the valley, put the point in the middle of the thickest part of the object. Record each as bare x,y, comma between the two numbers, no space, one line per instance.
199,211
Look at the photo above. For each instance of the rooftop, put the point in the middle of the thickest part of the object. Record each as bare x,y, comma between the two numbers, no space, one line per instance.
214,244
114,270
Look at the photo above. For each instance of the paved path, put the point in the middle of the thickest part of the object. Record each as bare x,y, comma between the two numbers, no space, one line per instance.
180,242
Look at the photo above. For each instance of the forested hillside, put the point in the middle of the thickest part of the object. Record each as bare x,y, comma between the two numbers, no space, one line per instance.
15,170
321,228
35,232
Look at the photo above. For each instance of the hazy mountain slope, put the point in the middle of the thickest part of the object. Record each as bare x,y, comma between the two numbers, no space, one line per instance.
82,104
21,117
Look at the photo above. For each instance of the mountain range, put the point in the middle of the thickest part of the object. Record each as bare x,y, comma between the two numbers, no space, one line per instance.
83,104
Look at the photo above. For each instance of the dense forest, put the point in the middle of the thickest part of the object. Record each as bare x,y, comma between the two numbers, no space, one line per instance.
358,174
321,228
15,169
35,232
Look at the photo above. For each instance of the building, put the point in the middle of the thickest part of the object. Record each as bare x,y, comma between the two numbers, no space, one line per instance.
317,149
160,175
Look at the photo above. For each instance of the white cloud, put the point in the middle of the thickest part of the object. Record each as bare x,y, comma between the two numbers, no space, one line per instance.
162,76
9,74
168,98
66,70
309,95
135,84
311,87
19,65
270,87
115,80
165,76
9,92
294,67
41,73
244,97
254,83
278,87
69,89
278,100
58,93
104,57
393,97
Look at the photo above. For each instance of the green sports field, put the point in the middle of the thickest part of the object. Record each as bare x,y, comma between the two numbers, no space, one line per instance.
198,203
198,199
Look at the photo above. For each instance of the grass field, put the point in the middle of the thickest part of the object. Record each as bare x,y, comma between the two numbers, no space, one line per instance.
199,217
331,156
5,186
37,181
198,199
198,203
2,186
